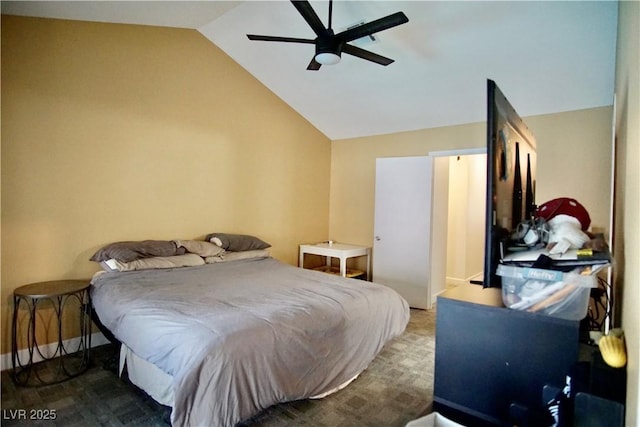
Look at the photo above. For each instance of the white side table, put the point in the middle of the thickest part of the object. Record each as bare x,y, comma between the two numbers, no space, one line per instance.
336,250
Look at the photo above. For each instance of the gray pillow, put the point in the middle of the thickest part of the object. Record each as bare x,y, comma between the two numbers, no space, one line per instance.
130,251
234,256
237,242
186,260
204,249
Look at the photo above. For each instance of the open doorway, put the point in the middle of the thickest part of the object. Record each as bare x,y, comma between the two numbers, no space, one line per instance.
458,218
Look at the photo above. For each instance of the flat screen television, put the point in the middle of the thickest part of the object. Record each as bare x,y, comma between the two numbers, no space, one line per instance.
511,180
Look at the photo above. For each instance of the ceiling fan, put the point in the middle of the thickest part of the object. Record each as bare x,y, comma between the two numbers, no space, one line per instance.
329,46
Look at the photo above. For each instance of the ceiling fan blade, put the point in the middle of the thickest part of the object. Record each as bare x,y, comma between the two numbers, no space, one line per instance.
373,27
279,39
311,17
365,54
314,65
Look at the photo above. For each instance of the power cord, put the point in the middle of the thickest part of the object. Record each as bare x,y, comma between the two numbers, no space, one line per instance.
601,305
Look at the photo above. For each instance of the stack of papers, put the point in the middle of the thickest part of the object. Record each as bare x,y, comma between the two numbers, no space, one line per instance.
572,257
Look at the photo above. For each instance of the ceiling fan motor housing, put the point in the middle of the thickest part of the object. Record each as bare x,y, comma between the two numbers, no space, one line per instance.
329,45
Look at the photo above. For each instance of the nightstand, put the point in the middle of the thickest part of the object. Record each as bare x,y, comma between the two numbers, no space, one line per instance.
342,251
61,296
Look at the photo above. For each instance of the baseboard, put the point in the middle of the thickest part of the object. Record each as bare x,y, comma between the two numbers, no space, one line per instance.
454,281
97,339
434,297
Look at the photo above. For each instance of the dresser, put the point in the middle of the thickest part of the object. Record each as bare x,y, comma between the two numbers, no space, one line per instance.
492,362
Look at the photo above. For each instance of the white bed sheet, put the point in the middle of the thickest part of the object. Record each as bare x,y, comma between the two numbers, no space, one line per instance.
158,384
147,376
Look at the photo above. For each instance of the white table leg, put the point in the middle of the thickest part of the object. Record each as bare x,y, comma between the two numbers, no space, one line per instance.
343,266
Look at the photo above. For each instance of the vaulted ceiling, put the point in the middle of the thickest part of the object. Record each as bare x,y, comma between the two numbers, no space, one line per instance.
546,56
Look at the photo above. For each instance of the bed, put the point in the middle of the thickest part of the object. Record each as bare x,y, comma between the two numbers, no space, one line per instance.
221,337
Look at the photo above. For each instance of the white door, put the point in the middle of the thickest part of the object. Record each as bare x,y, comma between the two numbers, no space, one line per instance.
402,227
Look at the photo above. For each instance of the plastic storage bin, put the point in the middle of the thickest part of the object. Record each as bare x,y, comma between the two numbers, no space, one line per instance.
557,294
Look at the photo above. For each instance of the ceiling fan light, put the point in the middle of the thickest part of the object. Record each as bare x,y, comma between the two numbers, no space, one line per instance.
327,58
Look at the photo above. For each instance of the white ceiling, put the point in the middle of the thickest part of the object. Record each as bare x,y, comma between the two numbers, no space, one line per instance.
546,56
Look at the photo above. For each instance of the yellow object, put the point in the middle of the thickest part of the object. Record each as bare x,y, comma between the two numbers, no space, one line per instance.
613,350
584,252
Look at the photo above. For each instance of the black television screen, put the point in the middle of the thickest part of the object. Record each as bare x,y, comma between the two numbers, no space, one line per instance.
511,179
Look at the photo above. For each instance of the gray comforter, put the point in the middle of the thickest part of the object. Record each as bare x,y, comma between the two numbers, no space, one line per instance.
238,337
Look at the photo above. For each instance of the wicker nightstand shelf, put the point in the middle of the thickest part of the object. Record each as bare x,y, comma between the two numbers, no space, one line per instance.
356,274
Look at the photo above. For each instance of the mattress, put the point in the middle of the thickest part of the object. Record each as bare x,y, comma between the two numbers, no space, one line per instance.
158,385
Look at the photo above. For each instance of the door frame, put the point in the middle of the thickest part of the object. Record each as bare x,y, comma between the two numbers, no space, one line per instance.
439,263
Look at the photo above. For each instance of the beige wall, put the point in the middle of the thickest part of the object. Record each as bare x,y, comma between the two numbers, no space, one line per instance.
467,191
121,132
574,160
627,228
440,214
457,221
353,172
